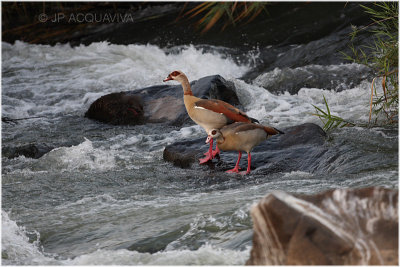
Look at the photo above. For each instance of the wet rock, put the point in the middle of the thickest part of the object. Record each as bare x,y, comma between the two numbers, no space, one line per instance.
307,59
333,77
159,104
117,108
299,149
34,150
157,243
183,154
164,103
29,151
339,227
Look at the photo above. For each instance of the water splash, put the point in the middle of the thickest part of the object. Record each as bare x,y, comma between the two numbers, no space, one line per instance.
332,77
292,109
81,157
17,248
205,255
79,75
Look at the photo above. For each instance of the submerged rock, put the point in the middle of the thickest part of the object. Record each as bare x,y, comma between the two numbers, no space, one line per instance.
299,149
33,150
28,150
331,77
158,104
339,227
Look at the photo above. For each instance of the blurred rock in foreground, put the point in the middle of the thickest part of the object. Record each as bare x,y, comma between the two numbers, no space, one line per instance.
341,226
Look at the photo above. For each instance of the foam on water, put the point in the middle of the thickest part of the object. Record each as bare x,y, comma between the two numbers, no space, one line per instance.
205,255
123,151
54,80
43,79
78,158
93,204
335,77
297,174
159,140
83,215
16,247
291,109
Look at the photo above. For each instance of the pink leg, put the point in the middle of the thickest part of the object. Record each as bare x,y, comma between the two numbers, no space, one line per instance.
236,169
216,151
210,141
209,154
248,165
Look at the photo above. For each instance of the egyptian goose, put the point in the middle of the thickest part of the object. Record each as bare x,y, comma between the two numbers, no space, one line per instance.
240,137
208,113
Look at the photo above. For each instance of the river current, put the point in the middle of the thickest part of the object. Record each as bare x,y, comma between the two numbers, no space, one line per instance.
104,195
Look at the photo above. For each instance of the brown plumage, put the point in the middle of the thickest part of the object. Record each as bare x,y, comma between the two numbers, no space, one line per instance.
232,113
240,137
208,113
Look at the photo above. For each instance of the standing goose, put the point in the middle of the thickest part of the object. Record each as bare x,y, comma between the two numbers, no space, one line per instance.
240,137
208,113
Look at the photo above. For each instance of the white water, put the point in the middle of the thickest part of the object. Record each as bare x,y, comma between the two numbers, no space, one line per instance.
15,243
20,251
52,81
44,80
206,255
62,79
292,109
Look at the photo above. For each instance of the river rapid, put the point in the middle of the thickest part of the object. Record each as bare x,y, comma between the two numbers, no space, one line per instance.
104,195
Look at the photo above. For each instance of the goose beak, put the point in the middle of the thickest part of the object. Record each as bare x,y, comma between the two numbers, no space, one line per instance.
208,139
167,79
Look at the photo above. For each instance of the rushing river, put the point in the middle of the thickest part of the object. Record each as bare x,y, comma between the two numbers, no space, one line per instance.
105,195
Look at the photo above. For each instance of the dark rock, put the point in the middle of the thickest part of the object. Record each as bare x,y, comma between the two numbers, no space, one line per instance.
299,149
34,150
164,103
29,150
334,77
117,108
159,104
184,153
339,227
158,242
321,52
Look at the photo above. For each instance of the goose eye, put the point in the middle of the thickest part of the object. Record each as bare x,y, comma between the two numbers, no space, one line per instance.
214,132
175,73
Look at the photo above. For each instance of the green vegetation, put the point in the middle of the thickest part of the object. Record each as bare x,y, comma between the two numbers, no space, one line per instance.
330,121
231,12
382,58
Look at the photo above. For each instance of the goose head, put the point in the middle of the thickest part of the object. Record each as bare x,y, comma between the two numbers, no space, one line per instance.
175,75
214,134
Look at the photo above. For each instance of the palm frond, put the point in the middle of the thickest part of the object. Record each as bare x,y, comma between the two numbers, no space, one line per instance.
231,12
